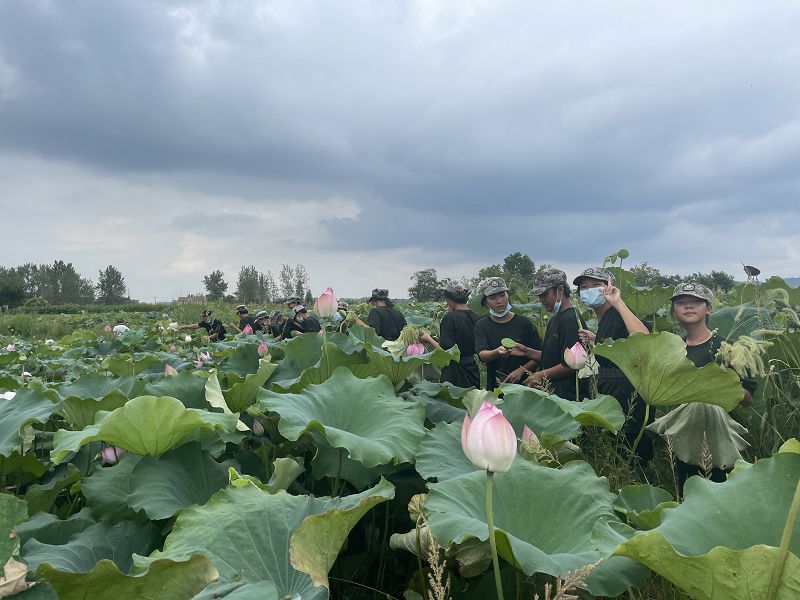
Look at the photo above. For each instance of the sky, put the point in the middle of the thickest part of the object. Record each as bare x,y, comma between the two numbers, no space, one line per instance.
369,140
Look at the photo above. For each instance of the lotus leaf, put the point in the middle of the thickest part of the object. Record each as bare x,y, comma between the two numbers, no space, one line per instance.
721,542
437,410
332,358
41,496
532,504
643,504
242,392
49,529
147,425
263,590
398,369
215,398
12,512
440,455
130,364
97,386
29,405
300,353
658,368
175,580
106,491
186,386
334,463
361,415
254,536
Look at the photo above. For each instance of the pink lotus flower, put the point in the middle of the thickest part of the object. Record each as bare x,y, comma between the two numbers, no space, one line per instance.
169,370
489,441
110,455
263,349
204,356
576,356
258,428
107,328
415,349
172,347
528,435
10,347
327,304
247,330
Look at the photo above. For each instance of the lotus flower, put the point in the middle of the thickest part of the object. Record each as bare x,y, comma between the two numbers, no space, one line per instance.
107,328
576,356
169,370
174,326
110,455
172,347
10,347
25,374
247,330
415,349
204,356
258,428
528,435
327,304
49,342
489,441
188,338
263,349
8,395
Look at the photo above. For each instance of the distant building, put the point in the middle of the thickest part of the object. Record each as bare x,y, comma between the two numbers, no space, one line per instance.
191,299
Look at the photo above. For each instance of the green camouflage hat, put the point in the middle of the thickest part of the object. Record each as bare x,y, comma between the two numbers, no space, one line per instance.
492,285
597,273
696,290
457,293
379,294
548,278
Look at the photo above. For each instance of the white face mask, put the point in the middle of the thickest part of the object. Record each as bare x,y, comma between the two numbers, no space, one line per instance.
500,315
299,319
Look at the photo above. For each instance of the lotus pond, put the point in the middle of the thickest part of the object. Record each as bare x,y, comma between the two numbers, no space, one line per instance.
152,466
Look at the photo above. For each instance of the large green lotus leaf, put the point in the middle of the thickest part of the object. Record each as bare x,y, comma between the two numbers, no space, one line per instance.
215,398
243,359
186,386
642,505
334,463
117,542
440,455
732,322
247,533
41,496
242,391
658,368
147,425
176,480
645,302
445,390
361,415
263,590
49,529
130,364
82,412
721,541
165,579
97,386
524,406
397,369
437,410
300,353
332,358
12,512
29,405
106,491
544,520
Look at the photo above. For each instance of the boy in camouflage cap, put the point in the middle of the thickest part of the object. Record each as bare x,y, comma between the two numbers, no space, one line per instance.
489,286
696,290
597,273
547,279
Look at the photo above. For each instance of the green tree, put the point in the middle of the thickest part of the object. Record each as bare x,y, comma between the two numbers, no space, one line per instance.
215,285
647,276
111,286
300,280
12,287
519,265
247,285
716,280
286,280
426,286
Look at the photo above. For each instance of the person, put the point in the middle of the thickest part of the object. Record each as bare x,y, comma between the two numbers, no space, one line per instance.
120,328
306,323
504,364
292,302
340,321
214,328
551,286
384,318
615,321
262,321
244,319
458,329
276,324
691,307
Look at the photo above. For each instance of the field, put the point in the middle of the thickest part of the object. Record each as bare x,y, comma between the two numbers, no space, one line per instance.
159,465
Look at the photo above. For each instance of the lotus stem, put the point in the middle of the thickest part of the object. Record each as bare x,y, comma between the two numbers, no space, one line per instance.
577,388
641,431
338,480
492,545
783,550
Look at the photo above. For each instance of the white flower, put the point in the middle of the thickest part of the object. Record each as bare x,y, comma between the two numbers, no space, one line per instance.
8,395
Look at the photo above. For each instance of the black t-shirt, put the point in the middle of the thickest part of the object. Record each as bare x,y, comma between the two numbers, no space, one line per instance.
387,322
275,329
215,326
458,329
562,333
288,328
704,353
488,334
248,320
310,325
610,379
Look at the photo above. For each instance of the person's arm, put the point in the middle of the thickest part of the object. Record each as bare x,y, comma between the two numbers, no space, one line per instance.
557,372
189,326
427,338
235,327
358,321
632,322
482,346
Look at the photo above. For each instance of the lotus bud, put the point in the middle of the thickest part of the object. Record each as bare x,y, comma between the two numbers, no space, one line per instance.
25,374
327,304
247,330
415,349
263,349
258,428
198,364
10,347
169,370
204,356
110,455
528,435
576,356
107,328
187,339
489,441
172,347
49,342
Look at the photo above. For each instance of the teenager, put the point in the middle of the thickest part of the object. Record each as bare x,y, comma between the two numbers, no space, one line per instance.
384,318
244,320
214,328
306,323
504,365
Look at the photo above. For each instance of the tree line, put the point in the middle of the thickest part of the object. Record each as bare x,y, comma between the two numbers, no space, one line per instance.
60,283
519,270
254,286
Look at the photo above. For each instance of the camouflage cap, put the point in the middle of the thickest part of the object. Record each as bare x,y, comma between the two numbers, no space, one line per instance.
598,273
299,308
379,294
547,279
294,300
241,309
275,314
456,292
696,290
207,312
262,314
492,285
343,305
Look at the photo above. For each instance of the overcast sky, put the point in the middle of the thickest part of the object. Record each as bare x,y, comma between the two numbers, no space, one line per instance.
368,140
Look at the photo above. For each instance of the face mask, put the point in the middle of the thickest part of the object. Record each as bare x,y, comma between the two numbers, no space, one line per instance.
337,316
500,315
300,319
593,297
557,305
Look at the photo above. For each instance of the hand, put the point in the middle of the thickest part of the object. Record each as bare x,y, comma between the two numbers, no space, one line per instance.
612,294
426,337
533,378
519,350
587,337
514,376
503,351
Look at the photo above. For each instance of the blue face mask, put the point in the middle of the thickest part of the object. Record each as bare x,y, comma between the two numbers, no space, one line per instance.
500,315
593,297
337,316
557,305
